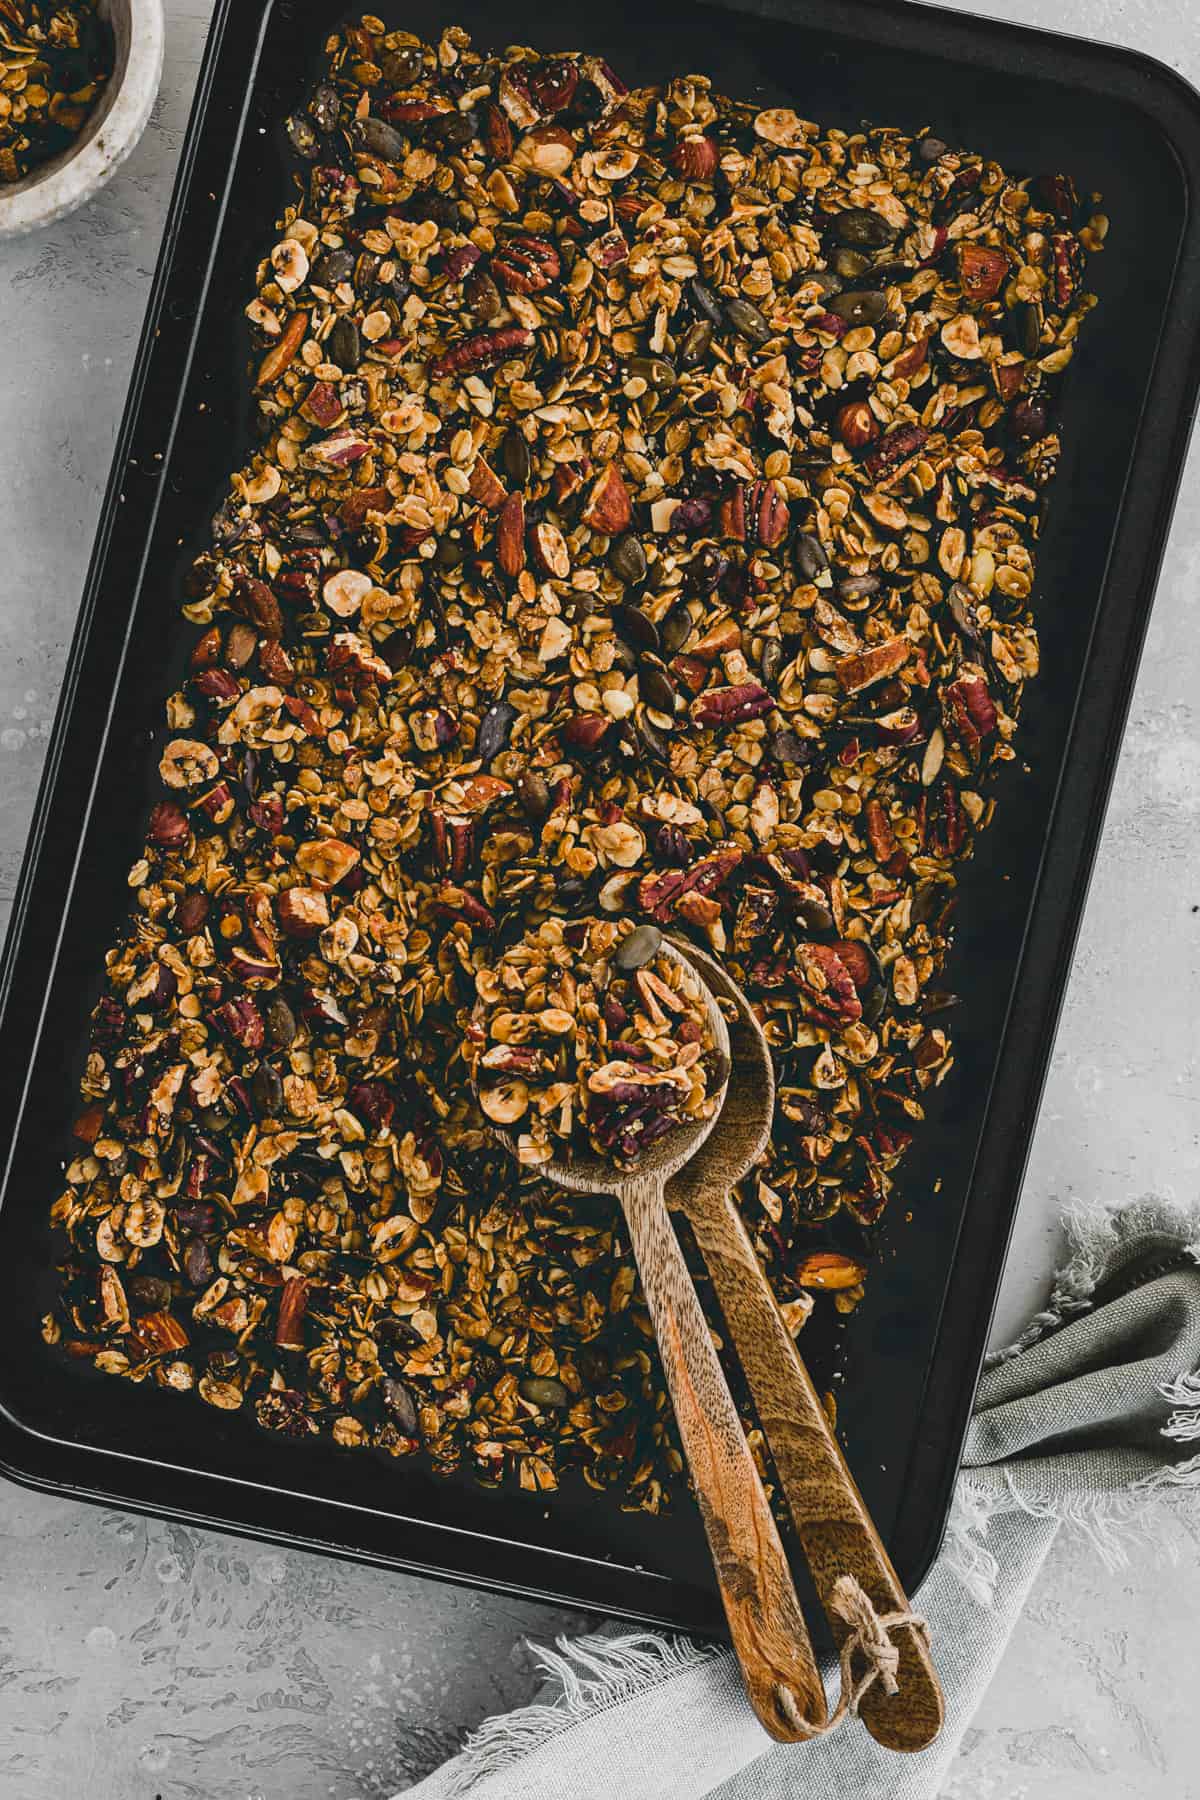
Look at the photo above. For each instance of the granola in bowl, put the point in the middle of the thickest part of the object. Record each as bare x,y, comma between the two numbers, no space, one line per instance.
640,527
54,63
587,1032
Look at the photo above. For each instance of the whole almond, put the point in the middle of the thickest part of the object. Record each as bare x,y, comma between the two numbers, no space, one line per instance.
608,508
496,132
486,487
696,158
510,536
981,271
550,551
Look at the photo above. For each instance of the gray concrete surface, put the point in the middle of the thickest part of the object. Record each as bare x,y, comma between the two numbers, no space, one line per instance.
139,1660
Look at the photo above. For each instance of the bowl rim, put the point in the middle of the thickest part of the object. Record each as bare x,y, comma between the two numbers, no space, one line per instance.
66,184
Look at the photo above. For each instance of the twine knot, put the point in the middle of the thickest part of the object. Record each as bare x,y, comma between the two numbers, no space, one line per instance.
868,1635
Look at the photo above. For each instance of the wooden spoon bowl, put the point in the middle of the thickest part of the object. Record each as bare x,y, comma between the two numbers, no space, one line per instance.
587,1171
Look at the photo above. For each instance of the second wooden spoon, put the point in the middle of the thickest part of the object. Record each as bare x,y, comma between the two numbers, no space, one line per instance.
835,1529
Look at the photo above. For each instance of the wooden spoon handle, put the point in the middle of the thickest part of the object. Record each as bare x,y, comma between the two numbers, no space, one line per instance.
832,1523
765,1621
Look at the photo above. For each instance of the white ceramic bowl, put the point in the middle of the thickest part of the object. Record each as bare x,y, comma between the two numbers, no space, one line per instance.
115,126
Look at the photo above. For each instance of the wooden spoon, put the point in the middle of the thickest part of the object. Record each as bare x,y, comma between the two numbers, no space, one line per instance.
832,1523
766,1623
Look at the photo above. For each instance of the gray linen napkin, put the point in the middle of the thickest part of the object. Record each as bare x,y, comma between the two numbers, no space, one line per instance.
1083,1423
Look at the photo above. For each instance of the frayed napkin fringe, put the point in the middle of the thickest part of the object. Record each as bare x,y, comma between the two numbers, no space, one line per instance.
1112,1524
1096,1235
964,1550
589,1675
1184,1396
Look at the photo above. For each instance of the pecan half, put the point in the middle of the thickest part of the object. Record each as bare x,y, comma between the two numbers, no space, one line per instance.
1056,193
168,826
553,82
351,655
829,1269
485,350
517,97
254,599
692,671
894,448
827,986
1067,259
459,261
240,1019
340,450
757,907
718,640
157,1334
722,706
768,511
913,357
496,131
526,264
293,1304
357,507
610,249
880,835
584,731
322,405
731,515
327,859
478,793
659,895
459,903
968,709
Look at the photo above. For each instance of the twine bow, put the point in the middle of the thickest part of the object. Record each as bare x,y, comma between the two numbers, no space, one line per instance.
869,1636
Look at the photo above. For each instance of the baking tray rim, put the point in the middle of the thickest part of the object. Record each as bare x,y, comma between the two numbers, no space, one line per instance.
1171,107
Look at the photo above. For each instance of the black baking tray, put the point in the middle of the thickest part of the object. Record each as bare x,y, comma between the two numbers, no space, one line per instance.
904,1368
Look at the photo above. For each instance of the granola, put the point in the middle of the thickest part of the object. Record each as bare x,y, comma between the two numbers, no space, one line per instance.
54,62
588,1033
641,528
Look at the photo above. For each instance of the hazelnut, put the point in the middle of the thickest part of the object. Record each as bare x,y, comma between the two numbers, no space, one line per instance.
345,591
302,911
328,860
168,826
546,150
857,425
